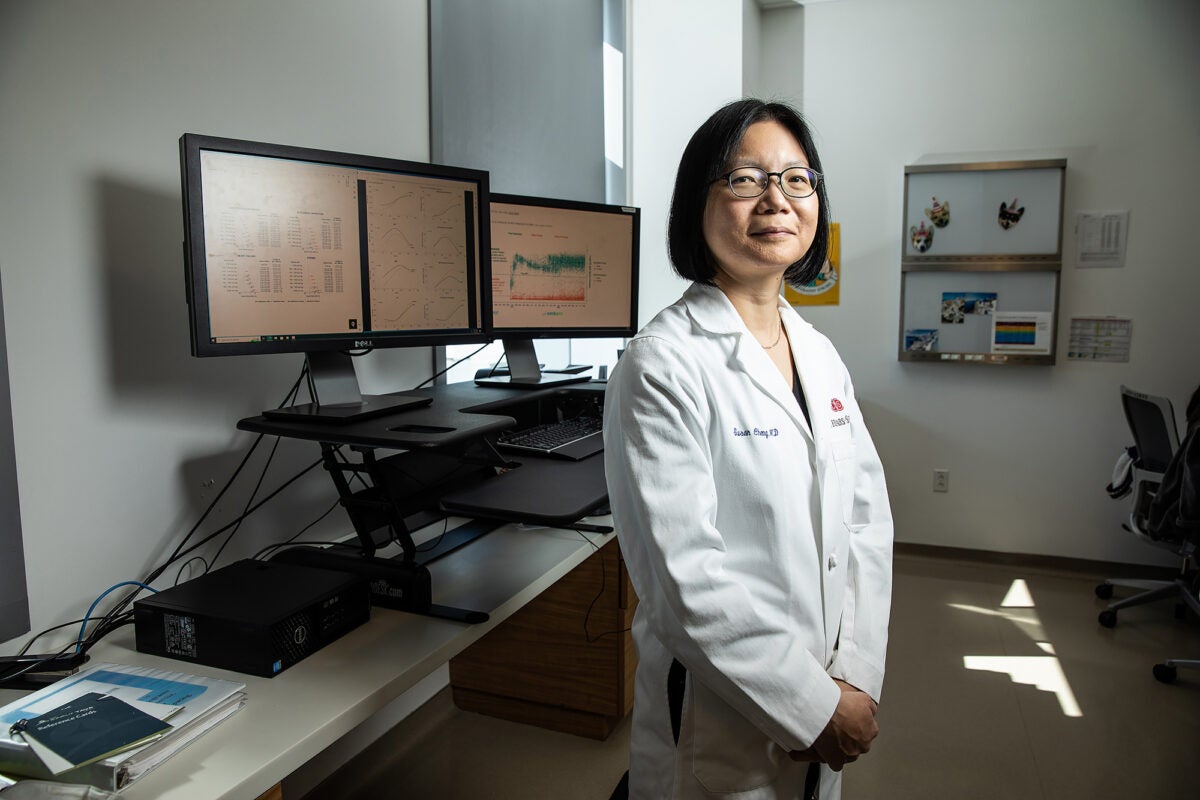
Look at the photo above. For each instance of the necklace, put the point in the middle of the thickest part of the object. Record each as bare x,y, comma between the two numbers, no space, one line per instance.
778,337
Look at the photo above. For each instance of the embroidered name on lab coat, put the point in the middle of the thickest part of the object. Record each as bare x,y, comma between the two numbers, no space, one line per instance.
765,433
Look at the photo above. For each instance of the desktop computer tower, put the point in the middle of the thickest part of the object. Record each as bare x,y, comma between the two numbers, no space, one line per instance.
255,617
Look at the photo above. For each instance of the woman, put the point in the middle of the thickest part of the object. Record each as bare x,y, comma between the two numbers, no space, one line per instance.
747,495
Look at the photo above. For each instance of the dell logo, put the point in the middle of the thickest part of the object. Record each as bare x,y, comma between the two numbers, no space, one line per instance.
359,343
300,635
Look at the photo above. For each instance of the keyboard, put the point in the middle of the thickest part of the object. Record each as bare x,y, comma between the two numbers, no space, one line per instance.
574,439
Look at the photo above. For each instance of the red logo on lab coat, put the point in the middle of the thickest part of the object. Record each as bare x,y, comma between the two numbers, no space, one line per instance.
836,404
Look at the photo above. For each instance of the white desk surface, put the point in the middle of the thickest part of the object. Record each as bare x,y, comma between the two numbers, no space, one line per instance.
292,717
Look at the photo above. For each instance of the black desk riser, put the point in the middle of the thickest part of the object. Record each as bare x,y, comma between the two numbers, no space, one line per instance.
440,459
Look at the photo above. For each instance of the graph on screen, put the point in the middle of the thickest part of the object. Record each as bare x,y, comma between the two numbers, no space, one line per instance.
557,277
417,245
559,267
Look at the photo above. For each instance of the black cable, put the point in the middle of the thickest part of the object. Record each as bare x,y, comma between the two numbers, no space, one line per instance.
288,398
107,627
310,384
354,475
435,541
183,566
258,556
36,665
156,573
213,504
179,548
603,576
33,639
603,581
261,554
118,616
492,371
39,662
254,508
261,477
277,545
455,364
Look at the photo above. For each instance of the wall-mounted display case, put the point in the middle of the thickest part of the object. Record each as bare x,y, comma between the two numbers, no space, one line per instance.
982,254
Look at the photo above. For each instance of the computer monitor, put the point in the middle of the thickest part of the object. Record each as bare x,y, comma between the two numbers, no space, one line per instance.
295,250
559,269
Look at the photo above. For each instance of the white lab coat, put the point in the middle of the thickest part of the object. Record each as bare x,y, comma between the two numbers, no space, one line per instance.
760,550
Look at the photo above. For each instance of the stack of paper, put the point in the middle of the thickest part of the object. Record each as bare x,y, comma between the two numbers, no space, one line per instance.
191,703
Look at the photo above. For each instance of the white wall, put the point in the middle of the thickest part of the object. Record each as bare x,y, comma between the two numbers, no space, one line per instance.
773,43
685,61
1111,86
117,427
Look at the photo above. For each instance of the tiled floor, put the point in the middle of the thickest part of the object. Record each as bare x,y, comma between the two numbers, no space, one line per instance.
1000,684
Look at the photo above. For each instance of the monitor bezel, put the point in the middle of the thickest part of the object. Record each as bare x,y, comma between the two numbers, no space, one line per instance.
191,146
499,333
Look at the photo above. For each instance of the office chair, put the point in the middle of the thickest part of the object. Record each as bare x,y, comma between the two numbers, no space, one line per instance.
1156,440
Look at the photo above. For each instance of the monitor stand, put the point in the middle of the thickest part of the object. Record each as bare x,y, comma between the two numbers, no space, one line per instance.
336,397
524,372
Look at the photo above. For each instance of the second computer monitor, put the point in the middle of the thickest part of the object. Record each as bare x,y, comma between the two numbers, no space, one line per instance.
560,269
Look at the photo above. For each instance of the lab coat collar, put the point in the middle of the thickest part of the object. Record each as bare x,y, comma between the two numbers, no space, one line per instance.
713,312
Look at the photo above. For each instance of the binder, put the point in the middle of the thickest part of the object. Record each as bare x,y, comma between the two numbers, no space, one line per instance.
200,704
90,728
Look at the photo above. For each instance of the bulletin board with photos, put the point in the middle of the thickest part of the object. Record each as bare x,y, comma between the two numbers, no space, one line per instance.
982,254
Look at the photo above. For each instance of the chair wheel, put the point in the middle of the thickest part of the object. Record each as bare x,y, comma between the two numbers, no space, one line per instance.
1104,591
1108,618
1164,673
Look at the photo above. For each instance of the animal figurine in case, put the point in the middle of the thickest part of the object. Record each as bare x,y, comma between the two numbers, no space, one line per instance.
939,215
1010,215
922,238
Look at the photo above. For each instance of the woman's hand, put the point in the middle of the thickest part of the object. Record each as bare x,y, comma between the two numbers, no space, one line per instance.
849,732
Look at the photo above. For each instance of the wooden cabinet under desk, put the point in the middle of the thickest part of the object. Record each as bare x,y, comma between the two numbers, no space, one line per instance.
565,661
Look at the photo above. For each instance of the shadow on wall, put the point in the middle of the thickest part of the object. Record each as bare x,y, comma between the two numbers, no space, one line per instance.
893,435
311,498
907,448
307,500
148,349
150,363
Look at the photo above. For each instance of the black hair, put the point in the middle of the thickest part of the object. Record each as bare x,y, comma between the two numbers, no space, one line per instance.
705,158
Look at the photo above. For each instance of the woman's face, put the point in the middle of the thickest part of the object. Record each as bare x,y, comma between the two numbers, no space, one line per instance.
755,239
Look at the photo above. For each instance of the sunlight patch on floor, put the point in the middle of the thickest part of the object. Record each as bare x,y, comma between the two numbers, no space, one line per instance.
1018,596
1043,672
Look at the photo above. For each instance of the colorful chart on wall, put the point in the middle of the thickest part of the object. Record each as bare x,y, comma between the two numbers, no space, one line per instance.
1022,332
823,290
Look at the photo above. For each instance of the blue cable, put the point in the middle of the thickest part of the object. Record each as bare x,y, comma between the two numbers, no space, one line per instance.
88,615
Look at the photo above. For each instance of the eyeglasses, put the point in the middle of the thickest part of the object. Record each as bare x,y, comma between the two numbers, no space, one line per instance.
751,182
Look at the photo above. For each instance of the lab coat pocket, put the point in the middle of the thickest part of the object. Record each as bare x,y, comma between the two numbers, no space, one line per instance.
729,755
845,464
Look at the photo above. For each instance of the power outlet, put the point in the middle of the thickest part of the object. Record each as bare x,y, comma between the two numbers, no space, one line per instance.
941,480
